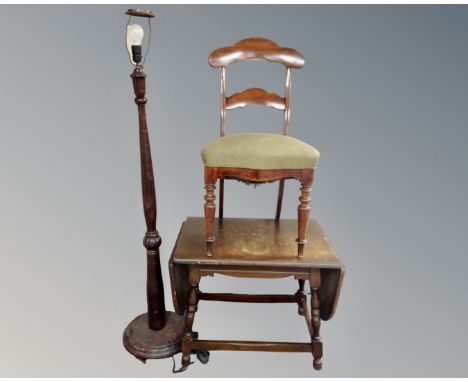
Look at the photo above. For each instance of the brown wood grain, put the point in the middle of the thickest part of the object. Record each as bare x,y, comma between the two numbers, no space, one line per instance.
253,298
259,175
152,240
252,346
257,96
256,48
259,242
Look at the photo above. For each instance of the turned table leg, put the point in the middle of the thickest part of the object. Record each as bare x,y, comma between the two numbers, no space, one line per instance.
303,215
300,294
317,349
190,317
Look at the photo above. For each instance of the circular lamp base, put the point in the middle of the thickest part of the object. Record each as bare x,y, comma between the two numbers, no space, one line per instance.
145,343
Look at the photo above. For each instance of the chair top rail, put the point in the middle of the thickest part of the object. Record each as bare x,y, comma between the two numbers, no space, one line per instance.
256,48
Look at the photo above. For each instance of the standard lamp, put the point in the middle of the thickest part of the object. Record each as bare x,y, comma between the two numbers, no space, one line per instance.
157,333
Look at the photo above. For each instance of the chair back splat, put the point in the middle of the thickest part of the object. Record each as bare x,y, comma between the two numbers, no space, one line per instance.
254,49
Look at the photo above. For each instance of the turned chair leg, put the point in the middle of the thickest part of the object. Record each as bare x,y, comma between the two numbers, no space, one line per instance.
300,294
210,208
317,349
279,204
189,335
221,199
303,216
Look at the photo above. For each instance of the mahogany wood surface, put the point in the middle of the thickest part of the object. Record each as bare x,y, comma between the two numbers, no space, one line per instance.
300,295
256,48
258,298
255,242
303,216
157,333
252,346
152,240
257,175
257,96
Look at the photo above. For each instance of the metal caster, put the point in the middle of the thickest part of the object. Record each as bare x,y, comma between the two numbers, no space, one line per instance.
203,356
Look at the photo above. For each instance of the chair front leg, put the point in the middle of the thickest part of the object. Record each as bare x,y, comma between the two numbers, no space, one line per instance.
210,208
303,215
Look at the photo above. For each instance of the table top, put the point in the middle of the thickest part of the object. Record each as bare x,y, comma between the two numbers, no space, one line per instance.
254,242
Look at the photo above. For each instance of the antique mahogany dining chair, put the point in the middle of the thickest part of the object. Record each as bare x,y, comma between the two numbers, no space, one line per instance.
257,157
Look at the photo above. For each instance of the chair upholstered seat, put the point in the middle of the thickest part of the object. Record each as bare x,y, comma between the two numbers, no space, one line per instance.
260,151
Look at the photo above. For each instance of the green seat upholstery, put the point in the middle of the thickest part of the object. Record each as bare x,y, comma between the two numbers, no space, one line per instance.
260,151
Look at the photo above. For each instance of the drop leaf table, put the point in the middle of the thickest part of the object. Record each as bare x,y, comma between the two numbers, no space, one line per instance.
255,248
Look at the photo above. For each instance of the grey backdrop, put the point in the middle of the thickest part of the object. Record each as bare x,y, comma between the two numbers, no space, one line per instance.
383,96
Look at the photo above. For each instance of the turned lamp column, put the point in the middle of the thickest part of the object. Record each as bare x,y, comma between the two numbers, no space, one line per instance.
152,240
157,333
